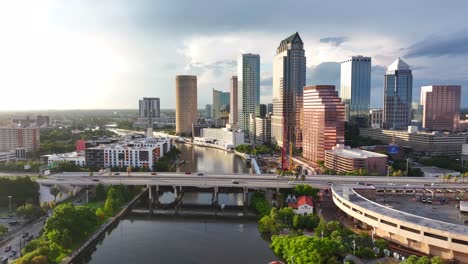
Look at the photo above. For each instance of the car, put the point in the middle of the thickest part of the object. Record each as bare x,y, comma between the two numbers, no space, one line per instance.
12,253
235,182
154,173
291,182
60,179
188,173
95,180
427,184
360,183
429,200
423,200
7,248
25,234
116,174
29,238
200,174
434,184
408,185
15,222
330,183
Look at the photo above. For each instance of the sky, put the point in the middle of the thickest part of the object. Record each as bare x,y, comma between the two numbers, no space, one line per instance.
107,54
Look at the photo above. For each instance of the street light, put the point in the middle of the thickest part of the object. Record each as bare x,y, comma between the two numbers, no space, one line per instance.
354,247
9,202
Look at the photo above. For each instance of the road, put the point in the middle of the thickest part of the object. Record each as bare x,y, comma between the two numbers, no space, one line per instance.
244,180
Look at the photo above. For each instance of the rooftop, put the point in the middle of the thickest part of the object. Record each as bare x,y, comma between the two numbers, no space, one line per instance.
399,64
356,153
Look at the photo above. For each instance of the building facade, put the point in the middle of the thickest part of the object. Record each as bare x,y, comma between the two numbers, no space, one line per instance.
323,121
73,157
233,112
221,101
270,109
208,111
344,159
229,138
355,88
263,110
263,130
186,103
289,78
376,118
248,96
13,137
441,107
398,90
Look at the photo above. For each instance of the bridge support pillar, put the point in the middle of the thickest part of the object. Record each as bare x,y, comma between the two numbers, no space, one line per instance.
150,194
157,195
175,191
214,199
245,199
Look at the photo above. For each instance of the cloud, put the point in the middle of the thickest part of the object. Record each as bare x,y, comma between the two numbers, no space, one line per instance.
437,46
324,73
334,41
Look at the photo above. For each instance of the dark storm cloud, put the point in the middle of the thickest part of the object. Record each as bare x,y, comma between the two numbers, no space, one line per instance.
436,46
334,41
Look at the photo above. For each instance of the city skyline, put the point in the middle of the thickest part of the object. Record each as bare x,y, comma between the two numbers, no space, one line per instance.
123,49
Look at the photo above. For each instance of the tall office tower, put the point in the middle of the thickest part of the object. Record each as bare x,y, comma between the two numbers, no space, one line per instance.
149,106
248,96
263,110
324,117
441,107
186,103
208,111
233,104
269,108
289,77
220,104
355,88
398,89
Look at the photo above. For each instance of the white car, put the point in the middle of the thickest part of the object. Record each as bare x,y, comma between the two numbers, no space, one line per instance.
290,182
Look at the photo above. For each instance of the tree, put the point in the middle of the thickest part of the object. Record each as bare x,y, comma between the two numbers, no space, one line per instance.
436,260
30,211
100,192
54,191
304,189
3,230
286,215
39,260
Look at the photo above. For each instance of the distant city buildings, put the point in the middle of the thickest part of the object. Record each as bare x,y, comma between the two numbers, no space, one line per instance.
233,112
323,121
441,107
14,137
208,111
35,121
398,89
149,112
344,159
186,103
376,118
248,97
355,88
289,79
221,101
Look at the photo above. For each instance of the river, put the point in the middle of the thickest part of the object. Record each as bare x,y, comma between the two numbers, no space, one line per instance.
175,239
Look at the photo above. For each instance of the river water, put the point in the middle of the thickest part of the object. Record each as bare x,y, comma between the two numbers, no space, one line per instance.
177,239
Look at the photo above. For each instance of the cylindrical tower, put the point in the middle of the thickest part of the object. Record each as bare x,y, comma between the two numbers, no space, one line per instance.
186,103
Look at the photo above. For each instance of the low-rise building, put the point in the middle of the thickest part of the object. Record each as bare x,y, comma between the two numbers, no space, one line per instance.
225,137
139,153
303,206
345,159
77,158
376,118
13,155
432,144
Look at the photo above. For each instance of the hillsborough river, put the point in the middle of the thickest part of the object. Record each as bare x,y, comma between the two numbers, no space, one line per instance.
175,239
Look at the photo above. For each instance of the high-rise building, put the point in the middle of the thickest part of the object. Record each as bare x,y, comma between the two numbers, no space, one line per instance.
13,137
270,109
248,96
186,103
324,116
233,113
221,102
441,107
263,130
289,78
149,107
263,110
398,89
355,88
208,111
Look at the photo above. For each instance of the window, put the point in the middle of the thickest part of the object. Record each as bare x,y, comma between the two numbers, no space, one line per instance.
435,236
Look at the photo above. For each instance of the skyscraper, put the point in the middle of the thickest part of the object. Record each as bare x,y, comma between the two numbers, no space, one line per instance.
220,104
248,97
269,108
263,110
398,89
186,103
208,111
441,107
324,116
233,104
289,77
149,105
355,88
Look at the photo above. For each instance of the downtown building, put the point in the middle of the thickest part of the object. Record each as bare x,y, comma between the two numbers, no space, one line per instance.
398,89
376,118
149,112
15,137
225,137
263,130
186,103
248,93
289,78
355,89
441,107
343,159
137,153
233,111
221,101
324,116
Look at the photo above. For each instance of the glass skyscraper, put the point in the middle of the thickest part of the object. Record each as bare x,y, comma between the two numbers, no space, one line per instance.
398,91
355,88
248,89
221,102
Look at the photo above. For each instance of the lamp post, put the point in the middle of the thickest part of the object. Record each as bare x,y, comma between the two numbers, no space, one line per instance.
407,167
9,202
354,247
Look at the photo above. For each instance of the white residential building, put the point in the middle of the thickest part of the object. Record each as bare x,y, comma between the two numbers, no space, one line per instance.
73,157
225,137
